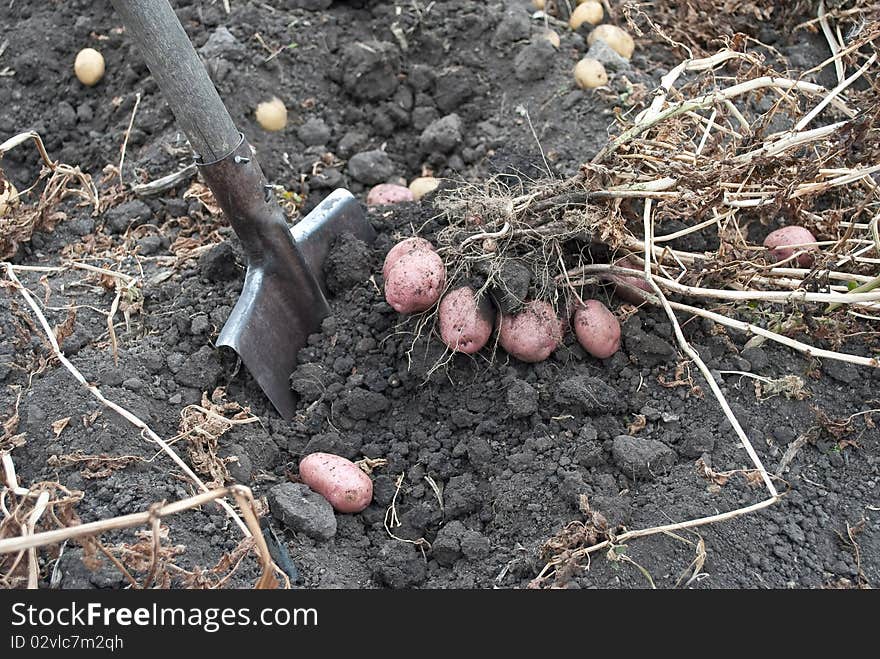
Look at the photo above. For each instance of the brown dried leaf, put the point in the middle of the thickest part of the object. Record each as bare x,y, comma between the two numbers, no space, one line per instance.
200,192
59,425
66,328
638,424
705,471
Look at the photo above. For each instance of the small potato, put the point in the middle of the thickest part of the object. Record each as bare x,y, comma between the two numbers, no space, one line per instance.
538,4
340,481
89,66
415,282
465,323
590,73
272,115
597,329
386,194
414,244
785,242
423,185
532,334
587,11
552,37
8,197
627,294
617,38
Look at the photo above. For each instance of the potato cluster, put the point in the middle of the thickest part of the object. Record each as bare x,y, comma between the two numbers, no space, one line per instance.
415,281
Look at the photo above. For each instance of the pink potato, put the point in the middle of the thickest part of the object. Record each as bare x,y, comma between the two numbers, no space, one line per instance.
465,323
782,244
414,244
388,193
625,293
340,481
415,282
532,334
597,329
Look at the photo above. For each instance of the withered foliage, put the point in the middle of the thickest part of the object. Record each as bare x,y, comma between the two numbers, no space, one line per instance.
56,182
699,27
726,142
93,466
57,510
202,425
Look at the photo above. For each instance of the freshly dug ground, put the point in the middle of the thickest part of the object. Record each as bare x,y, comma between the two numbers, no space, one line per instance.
487,458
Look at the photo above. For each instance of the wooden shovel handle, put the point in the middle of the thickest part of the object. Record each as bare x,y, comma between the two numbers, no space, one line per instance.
154,27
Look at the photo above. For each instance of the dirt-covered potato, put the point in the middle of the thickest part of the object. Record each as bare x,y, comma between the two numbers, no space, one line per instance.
625,293
786,241
617,38
340,481
590,73
414,283
588,11
423,185
89,66
597,329
414,244
388,193
532,334
465,323
272,115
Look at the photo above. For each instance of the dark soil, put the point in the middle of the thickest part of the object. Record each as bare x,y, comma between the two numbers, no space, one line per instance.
511,447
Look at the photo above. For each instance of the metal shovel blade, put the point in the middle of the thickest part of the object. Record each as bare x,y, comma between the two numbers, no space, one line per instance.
275,313
283,299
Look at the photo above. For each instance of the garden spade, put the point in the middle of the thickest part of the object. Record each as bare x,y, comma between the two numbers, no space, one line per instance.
282,300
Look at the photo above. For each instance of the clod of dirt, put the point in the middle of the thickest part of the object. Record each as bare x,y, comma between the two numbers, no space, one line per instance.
360,404
648,349
221,44
513,287
592,395
308,5
347,264
461,496
696,443
533,61
522,399
642,458
607,56
314,132
130,214
453,87
442,135
400,565
474,545
201,370
219,263
446,548
328,179
370,167
302,510
369,70
310,381
513,27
